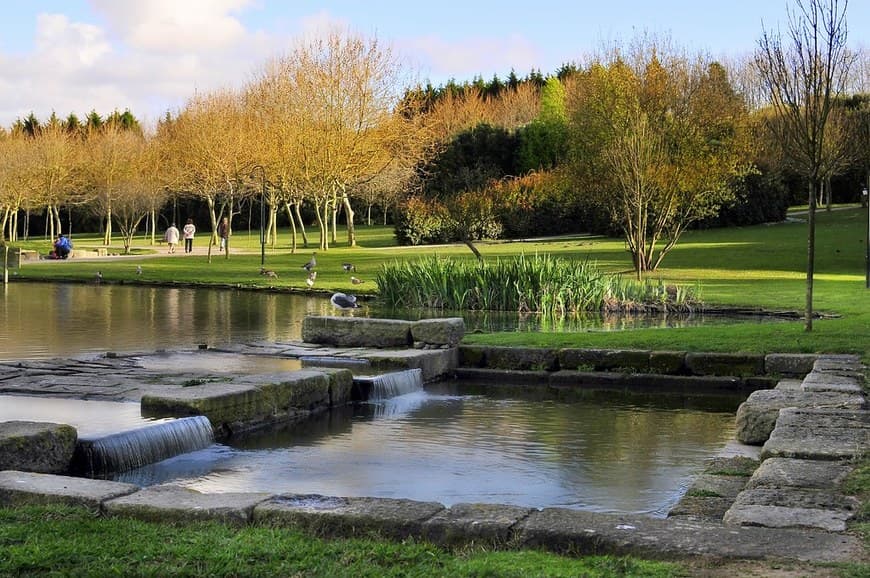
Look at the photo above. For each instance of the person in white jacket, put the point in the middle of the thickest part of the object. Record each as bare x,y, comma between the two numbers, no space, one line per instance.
171,237
188,231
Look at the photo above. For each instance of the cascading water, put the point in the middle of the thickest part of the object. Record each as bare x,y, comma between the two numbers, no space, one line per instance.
394,384
128,450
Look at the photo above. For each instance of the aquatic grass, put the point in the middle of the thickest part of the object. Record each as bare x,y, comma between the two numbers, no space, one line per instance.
542,283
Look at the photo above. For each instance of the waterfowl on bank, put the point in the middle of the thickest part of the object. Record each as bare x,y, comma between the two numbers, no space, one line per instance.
312,263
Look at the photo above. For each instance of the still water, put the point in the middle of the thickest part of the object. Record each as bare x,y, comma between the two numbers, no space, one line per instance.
622,454
44,320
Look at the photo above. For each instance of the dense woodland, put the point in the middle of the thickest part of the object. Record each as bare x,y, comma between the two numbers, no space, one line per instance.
643,140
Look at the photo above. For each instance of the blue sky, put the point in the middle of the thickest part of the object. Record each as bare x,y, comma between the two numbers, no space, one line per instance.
151,55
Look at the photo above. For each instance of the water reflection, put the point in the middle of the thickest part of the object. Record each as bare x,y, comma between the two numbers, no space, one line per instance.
42,320
613,456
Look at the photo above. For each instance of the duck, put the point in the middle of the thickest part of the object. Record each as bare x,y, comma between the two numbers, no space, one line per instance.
356,281
311,277
342,301
268,273
348,267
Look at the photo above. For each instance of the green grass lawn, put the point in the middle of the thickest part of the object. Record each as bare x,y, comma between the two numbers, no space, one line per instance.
761,266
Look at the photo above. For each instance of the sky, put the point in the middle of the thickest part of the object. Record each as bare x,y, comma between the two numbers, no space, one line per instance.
150,56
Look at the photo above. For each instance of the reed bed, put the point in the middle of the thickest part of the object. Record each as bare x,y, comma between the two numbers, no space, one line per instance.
541,284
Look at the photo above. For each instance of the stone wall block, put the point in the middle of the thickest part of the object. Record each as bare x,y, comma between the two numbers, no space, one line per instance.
667,362
356,332
738,364
789,364
36,447
446,331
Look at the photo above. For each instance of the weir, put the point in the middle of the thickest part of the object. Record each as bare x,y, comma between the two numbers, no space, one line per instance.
387,385
123,451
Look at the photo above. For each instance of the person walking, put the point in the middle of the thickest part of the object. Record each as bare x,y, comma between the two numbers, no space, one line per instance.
188,231
223,232
171,237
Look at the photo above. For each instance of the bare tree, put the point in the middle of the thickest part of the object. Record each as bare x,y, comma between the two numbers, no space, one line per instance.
803,74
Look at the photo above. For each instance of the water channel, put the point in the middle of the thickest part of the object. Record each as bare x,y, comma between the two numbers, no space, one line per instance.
451,443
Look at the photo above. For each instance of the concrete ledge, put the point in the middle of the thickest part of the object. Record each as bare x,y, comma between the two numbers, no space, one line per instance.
490,524
26,488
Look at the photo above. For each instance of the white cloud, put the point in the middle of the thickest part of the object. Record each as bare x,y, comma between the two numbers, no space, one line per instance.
169,26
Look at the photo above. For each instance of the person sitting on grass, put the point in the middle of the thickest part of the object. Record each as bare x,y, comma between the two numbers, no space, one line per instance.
62,247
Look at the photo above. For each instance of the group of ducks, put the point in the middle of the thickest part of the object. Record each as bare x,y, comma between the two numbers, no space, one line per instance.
338,300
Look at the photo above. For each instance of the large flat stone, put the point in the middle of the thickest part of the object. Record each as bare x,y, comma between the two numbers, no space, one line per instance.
463,523
789,364
582,533
756,417
36,447
177,504
820,381
356,332
333,516
795,473
792,508
27,488
819,434
445,331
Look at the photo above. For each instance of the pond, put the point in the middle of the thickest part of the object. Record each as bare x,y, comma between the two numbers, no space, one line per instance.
44,320
460,443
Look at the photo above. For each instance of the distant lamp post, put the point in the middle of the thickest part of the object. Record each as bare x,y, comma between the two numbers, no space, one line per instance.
262,214
866,200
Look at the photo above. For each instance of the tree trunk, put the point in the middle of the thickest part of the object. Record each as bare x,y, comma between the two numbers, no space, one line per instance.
349,214
811,255
298,210
292,227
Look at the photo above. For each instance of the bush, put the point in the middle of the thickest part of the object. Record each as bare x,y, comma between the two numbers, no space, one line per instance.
758,198
420,221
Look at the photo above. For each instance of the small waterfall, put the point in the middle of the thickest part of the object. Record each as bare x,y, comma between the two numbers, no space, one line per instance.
394,384
129,450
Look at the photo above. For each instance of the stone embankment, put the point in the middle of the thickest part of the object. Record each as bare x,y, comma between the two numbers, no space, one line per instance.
784,501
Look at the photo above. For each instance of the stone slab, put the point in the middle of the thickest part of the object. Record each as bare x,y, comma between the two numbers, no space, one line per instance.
491,524
582,533
736,364
28,488
819,434
819,381
335,516
434,363
824,509
757,416
178,504
790,364
795,473
447,331
36,446
356,332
